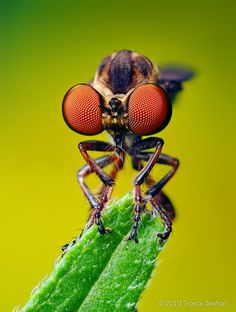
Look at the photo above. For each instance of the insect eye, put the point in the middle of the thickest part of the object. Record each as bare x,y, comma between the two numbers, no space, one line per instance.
149,110
81,110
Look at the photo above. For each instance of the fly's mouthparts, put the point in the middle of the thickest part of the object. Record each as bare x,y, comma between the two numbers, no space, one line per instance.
114,103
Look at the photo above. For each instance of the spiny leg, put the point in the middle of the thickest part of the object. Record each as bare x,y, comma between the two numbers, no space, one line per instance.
86,170
156,196
138,207
162,197
140,178
108,182
96,204
165,160
167,205
105,191
118,164
164,216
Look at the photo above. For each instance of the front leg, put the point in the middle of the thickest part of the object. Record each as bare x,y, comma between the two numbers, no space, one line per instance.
140,178
96,166
104,194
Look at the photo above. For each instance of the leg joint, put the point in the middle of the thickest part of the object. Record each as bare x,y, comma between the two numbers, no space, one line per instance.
175,163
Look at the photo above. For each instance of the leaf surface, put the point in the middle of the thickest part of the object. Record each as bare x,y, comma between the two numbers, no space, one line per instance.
102,273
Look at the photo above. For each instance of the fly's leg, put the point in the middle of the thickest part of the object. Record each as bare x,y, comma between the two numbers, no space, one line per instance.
149,181
96,204
105,191
156,196
164,216
165,160
96,167
166,204
118,165
140,178
86,170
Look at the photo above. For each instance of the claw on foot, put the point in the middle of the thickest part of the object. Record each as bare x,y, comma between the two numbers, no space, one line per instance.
63,248
133,236
102,230
163,236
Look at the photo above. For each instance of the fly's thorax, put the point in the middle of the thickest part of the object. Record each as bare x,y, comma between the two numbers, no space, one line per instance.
116,77
122,71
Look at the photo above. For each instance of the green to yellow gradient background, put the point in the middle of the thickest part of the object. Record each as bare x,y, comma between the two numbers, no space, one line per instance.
48,46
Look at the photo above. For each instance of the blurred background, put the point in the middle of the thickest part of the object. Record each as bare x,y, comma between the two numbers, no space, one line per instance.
48,46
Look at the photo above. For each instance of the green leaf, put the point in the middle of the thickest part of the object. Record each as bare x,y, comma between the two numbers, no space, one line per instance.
102,273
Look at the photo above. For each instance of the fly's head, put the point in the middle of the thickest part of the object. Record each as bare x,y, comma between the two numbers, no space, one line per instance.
116,77
123,97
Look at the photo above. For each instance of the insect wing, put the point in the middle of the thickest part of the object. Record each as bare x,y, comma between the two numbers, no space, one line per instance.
171,78
175,73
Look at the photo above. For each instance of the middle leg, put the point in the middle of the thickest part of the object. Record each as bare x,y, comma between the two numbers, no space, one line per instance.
139,203
163,159
154,194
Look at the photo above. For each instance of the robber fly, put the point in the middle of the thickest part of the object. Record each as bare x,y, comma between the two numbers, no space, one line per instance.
129,98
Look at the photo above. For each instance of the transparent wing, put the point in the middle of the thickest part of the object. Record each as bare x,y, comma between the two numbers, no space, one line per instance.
175,73
172,77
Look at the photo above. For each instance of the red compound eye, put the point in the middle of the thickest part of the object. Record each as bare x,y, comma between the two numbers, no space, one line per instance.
81,110
149,110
